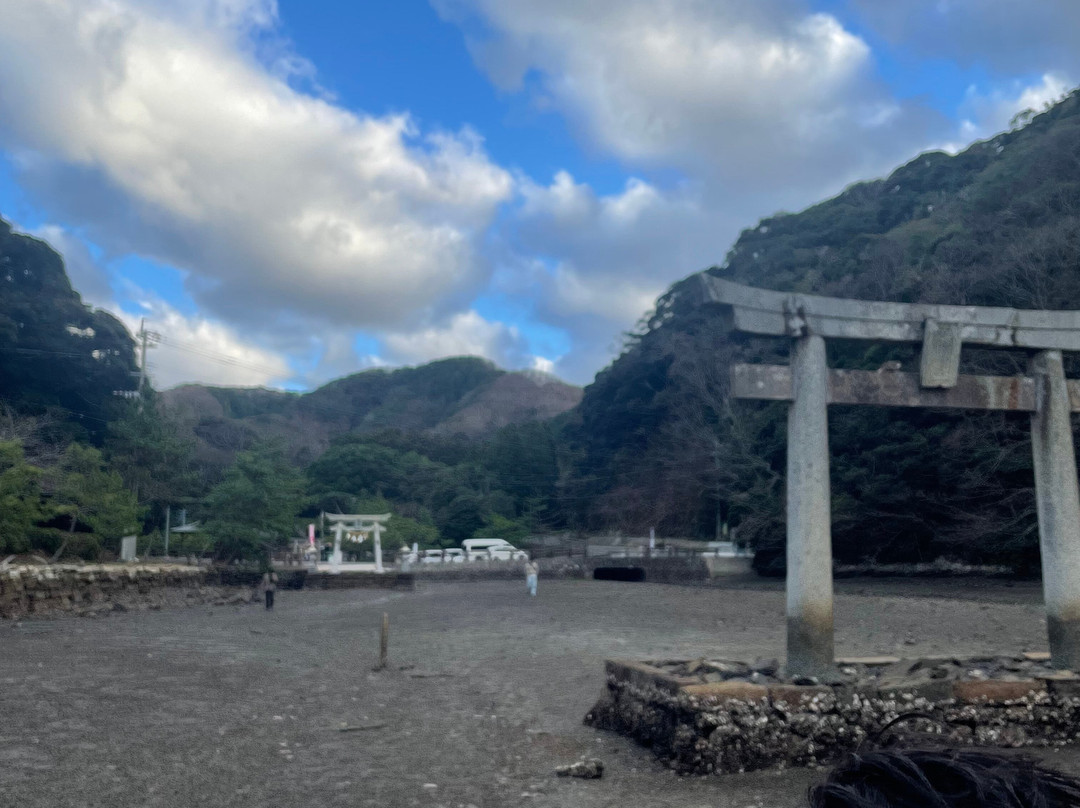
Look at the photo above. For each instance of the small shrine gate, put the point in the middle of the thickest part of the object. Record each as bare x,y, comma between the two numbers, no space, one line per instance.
356,527
810,385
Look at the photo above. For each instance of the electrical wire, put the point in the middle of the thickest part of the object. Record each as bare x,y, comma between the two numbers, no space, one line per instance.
214,356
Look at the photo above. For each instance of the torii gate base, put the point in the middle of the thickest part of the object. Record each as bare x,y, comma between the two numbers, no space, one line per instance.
811,386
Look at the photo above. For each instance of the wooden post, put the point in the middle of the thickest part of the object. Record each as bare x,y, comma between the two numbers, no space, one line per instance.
809,533
384,642
1058,502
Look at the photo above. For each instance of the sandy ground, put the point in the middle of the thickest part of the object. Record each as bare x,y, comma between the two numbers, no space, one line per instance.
484,696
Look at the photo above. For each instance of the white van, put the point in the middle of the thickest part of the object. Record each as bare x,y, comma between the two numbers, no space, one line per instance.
431,557
492,550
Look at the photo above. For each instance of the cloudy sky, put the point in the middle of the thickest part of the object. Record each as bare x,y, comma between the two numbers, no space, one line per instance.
292,191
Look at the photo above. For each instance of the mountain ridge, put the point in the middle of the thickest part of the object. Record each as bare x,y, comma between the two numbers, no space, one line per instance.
462,396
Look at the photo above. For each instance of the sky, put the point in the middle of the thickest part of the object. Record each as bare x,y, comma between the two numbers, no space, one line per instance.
288,192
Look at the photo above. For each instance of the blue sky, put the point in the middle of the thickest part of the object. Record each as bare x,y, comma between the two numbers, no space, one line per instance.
292,191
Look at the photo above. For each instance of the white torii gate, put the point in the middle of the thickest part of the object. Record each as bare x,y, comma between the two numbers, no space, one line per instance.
356,527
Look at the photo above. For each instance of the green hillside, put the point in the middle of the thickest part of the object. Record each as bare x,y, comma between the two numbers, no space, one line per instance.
658,442
466,397
58,356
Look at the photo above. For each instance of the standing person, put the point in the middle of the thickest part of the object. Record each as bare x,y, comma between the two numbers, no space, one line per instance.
269,586
532,573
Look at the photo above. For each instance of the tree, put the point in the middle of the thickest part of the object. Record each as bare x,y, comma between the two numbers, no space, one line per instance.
522,461
155,463
462,517
356,466
513,530
20,498
88,494
404,531
253,508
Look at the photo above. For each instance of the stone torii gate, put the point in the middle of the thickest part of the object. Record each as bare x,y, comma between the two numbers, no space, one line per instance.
810,386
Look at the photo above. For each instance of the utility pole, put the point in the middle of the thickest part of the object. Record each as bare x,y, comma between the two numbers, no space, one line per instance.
719,507
168,519
146,338
142,355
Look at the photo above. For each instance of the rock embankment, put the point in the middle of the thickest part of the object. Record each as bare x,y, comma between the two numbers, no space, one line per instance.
96,589
706,716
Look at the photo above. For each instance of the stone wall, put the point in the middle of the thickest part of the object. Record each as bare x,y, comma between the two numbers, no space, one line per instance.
736,726
497,570
358,580
95,589
234,576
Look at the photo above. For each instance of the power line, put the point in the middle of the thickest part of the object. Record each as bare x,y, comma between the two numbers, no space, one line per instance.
214,356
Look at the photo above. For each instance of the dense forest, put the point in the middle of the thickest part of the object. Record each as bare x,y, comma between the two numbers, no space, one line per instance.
459,448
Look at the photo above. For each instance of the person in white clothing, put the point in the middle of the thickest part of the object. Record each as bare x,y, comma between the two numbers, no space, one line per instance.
532,573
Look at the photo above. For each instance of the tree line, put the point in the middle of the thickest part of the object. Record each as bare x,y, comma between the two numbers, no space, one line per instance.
76,499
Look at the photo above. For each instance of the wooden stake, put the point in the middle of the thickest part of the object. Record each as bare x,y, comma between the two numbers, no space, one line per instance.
384,641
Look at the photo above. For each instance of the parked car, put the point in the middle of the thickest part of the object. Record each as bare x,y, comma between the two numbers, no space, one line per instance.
492,550
453,555
431,557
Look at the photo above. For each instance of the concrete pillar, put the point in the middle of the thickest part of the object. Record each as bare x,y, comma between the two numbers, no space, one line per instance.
809,533
335,557
1058,502
378,547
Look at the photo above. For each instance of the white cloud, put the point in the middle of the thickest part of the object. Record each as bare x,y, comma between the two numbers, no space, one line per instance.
463,334
620,301
154,126
192,134
986,113
197,349
541,364
593,264
765,93
756,107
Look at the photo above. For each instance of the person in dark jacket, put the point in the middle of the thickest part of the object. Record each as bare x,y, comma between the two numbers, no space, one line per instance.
269,586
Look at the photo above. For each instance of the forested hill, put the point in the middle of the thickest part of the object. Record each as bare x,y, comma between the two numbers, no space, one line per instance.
58,357
454,448
464,396
999,224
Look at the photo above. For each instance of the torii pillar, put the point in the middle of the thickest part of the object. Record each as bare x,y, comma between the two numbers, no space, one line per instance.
809,531
1058,505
